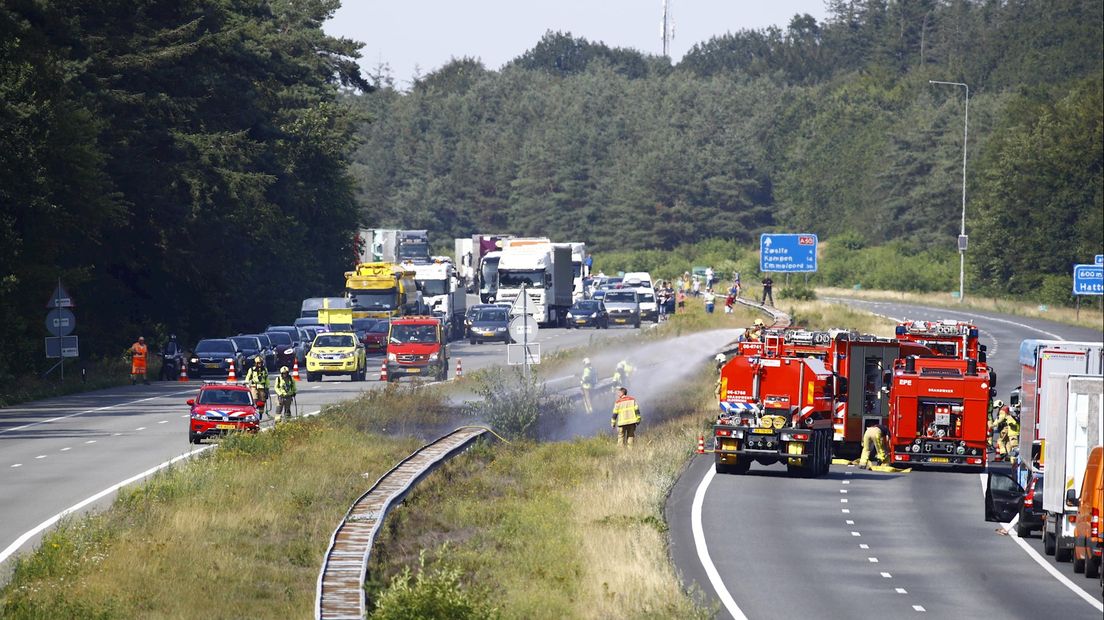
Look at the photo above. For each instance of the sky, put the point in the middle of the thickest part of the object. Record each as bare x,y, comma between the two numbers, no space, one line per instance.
418,36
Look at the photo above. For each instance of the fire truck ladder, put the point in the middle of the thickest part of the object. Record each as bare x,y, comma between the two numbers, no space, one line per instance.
340,591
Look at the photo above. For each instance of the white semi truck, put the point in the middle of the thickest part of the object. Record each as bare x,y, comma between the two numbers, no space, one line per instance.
443,294
579,268
1072,404
543,270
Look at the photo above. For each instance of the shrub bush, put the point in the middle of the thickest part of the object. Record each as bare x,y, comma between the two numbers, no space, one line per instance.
799,293
512,404
434,593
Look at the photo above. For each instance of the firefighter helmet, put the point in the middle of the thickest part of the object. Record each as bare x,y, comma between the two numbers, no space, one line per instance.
759,323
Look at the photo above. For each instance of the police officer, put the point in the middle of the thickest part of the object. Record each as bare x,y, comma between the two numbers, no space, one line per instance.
626,417
257,380
587,383
285,392
874,440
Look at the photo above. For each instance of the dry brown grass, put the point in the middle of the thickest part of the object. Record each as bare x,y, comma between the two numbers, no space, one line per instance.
1090,315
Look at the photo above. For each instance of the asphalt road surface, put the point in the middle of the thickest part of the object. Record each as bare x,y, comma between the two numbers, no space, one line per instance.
857,544
59,453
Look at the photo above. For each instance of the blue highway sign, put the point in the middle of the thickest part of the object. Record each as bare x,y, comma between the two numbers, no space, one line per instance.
788,253
1099,259
1088,280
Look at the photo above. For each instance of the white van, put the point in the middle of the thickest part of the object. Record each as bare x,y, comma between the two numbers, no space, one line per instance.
642,282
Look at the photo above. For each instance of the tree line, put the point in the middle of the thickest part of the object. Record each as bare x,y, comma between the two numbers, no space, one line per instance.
181,165
824,126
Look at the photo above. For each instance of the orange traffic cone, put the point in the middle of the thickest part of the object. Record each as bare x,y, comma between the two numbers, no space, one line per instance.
295,370
183,373
459,369
231,376
701,444
383,371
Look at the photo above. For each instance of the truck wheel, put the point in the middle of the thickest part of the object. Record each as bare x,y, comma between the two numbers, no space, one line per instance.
825,453
1049,546
1078,565
1062,554
1092,567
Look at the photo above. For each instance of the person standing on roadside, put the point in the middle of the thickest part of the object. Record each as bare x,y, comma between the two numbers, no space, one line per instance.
730,301
681,300
587,383
710,301
285,392
709,274
626,417
139,358
768,286
257,380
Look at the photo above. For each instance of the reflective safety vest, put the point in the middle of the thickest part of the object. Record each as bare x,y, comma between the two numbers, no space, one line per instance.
1011,424
589,379
626,411
285,386
257,377
138,353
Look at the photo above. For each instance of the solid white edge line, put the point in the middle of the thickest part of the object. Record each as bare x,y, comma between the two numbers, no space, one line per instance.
1041,561
105,408
703,549
19,542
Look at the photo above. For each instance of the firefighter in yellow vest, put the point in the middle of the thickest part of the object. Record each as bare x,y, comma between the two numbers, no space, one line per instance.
874,441
588,382
1009,428
626,417
621,375
755,334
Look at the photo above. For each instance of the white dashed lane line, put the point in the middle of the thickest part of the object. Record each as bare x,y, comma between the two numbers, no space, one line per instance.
919,608
872,560
856,534
92,440
163,422
17,465
140,428
41,456
887,576
864,546
902,591
66,449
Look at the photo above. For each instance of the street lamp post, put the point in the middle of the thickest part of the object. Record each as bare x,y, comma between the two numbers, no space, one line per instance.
962,233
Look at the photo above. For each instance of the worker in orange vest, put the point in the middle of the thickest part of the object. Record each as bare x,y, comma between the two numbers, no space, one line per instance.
139,354
626,417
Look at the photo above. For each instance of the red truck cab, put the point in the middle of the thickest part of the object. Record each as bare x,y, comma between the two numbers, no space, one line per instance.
416,347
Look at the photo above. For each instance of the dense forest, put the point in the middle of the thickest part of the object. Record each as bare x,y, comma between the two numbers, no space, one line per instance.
180,164
829,127
198,166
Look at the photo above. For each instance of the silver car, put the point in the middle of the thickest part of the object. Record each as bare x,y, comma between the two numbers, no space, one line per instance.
623,306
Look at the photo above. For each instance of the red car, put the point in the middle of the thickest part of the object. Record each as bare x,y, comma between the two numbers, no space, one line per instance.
222,408
375,339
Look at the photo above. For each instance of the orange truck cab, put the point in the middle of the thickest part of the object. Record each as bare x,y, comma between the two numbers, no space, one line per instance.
416,347
1087,541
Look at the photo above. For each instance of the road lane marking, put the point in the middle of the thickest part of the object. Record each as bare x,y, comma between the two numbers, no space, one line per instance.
1041,561
919,608
66,449
18,465
163,422
19,542
850,522
902,591
140,428
703,550
71,415
864,546
847,481
41,456
93,440
872,560
856,534
846,511
887,576
843,490
843,501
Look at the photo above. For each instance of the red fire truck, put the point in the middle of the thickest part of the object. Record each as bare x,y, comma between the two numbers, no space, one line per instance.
798,396
939,403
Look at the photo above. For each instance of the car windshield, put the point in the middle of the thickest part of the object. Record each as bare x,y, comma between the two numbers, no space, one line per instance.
488,273
497,315
433,288
246,343
620,297
279,338
413,333
364,324
585,306
647,298
333,340
224,397
364,300
511,279
214,346
265,340
380,328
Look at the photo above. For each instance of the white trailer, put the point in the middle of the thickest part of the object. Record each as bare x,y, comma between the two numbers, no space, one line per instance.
1073,427
579,268
465,260
442,294
543,271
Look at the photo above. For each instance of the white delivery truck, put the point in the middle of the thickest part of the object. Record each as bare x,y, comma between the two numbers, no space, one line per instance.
543,270
442,294
1038,360
1072,422
579,268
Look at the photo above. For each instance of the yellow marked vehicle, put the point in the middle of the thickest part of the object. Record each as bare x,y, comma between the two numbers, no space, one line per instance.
337,353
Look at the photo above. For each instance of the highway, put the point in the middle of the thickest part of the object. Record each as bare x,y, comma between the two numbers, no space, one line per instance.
856,543
59,453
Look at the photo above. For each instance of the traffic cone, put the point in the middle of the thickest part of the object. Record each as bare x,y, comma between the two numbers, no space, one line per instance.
701,444
231,376
295,370
383,371
459,369
183,373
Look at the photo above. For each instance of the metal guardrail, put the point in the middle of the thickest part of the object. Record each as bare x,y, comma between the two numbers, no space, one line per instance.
340,590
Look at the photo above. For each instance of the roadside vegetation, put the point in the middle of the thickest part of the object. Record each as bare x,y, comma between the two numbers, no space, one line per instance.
99,373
